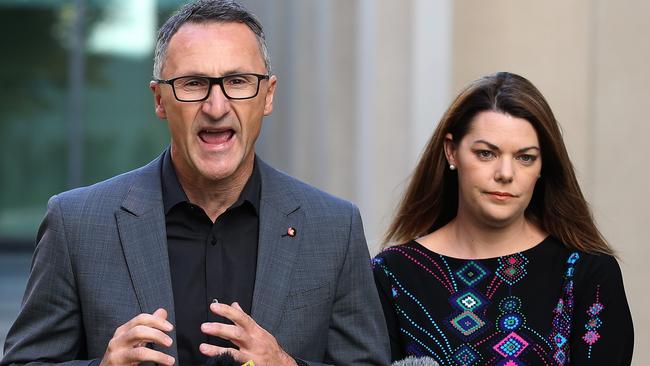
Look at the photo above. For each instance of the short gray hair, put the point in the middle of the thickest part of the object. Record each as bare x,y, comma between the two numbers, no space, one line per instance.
203,11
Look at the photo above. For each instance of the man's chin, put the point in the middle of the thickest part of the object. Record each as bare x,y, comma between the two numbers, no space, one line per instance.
217,171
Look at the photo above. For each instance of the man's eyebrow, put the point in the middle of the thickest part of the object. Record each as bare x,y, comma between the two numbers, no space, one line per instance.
229,72
495,147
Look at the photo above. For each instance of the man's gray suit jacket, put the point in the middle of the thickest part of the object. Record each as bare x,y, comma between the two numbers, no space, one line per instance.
101,259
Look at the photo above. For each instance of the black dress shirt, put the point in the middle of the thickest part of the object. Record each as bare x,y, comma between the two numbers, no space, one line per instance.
208,260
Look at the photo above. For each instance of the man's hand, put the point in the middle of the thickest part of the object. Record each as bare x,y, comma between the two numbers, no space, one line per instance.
129,343
254,342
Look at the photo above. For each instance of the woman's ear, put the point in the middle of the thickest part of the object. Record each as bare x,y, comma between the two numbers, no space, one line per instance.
450,150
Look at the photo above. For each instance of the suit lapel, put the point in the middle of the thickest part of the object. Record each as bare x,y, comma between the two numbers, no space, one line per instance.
141,226
277,250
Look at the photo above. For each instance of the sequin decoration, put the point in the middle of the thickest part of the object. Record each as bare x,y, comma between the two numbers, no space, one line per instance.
471,273
562,315
509,322
466,355
468,299
467,323
593,323
511,346
512,268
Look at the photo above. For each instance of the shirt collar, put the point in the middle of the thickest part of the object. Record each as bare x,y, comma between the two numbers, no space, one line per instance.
173,192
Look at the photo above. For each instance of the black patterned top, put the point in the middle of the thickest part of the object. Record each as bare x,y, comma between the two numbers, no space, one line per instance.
547,305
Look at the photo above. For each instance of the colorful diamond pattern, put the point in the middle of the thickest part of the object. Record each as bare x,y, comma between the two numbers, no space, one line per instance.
593,323
468,300
511,346
467,323
512,268
465,355
471,273
595,308
560,357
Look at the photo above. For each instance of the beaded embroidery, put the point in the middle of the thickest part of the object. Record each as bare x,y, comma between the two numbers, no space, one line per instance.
481,327
563,314
592,336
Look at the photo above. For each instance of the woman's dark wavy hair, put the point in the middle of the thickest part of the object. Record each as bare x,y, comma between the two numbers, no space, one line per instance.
557,205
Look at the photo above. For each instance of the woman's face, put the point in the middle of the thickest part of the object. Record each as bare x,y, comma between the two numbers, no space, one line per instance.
498,162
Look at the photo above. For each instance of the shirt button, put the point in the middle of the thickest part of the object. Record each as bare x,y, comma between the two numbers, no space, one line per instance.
213,241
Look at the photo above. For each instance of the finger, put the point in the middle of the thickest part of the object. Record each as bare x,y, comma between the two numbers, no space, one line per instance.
211,351
143,334
160,313
226,331
234,314
144,354
236,306
148,320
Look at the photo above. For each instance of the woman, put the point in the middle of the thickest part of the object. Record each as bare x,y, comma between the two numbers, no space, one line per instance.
501,262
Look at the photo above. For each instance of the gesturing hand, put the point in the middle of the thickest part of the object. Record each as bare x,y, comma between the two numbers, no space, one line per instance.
129,343
254,342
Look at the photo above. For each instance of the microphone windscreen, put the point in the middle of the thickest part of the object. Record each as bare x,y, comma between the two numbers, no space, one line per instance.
416,361
224,359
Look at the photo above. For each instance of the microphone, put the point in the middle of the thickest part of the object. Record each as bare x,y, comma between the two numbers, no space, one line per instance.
416,361
224,359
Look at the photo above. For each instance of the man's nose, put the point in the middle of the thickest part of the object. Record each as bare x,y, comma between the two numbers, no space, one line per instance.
217,105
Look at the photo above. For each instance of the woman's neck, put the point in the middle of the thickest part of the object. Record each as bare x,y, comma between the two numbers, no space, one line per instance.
470,240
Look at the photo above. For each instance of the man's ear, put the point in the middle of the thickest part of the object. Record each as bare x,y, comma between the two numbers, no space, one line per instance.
158,106
270,93
450,149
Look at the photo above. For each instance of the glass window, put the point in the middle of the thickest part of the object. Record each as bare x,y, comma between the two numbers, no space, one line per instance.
91,99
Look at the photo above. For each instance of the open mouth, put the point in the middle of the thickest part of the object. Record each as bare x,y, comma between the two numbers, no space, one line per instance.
216,137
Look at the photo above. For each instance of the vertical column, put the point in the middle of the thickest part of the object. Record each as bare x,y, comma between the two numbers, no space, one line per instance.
76,73
431,65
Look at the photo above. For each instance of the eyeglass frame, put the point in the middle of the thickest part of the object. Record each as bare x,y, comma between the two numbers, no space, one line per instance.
211,82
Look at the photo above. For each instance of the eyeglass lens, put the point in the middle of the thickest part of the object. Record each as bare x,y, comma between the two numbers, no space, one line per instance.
193,88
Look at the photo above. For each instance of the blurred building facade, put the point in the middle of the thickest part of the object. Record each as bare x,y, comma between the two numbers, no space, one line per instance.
362,85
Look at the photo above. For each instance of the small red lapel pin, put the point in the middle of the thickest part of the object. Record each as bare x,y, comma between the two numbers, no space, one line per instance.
291,231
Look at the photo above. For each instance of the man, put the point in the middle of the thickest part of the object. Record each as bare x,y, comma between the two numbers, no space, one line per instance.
164,264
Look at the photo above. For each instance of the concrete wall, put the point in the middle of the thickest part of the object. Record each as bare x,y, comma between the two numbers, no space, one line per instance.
363,83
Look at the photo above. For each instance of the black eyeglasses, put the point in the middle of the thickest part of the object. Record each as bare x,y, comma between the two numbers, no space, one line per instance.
197,88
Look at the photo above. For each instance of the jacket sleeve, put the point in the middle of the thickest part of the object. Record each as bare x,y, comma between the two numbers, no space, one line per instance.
49,327
357,334
602,331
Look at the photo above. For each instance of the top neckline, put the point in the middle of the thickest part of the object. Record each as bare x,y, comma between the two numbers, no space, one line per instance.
527,252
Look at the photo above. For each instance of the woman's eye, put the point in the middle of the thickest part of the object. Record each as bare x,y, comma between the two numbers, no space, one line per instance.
527,159
484,154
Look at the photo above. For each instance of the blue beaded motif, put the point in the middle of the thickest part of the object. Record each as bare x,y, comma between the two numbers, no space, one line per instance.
563,315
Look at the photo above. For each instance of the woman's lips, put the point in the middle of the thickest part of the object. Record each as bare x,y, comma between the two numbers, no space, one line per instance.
501,196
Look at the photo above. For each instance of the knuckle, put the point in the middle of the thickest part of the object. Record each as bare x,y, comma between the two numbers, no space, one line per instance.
239,333
138,353
112,346
140,318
